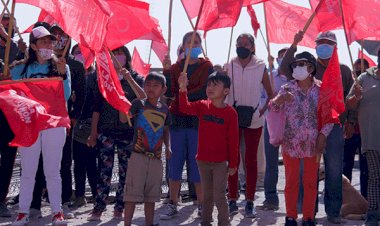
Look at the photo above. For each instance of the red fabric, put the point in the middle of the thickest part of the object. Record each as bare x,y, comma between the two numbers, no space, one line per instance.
252,2
364,56
331,100
222,123
43,17
138,64
328,14
284,20
33,106
251,139
109,84
255,24
192,7
309,181
85,21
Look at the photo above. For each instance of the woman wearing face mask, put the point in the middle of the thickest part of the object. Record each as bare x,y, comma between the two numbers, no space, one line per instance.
50,142
184,128
299,101
248,74
108,133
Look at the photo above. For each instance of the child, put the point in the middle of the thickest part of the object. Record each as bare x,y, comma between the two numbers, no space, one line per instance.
151,124
217,154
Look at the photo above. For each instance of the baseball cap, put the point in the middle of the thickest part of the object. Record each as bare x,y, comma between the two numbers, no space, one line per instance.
305,56
328,35
40,32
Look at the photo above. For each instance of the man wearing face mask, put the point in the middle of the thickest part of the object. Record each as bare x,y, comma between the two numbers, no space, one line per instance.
333,156
248,74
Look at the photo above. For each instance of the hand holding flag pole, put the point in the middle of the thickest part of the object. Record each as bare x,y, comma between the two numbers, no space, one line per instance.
9,40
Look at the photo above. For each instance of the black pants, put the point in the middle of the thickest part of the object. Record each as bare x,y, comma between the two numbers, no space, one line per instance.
8,155
85,163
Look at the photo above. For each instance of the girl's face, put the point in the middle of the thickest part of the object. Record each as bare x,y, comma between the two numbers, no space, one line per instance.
197,43
42,43
244,42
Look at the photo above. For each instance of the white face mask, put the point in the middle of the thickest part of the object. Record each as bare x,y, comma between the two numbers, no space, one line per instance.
45,54
300,73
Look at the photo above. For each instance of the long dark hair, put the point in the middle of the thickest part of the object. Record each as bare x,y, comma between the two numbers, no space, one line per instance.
128,57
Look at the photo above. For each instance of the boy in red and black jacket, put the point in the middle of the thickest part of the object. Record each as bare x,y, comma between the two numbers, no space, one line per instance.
218,142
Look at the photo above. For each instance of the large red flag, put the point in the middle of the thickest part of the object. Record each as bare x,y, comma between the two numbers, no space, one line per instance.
255,24
192,7
284,20
109,84
138,64
328,14
331,100
43,17
364,56
31,106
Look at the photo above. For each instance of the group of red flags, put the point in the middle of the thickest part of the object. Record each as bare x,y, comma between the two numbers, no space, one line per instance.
104,25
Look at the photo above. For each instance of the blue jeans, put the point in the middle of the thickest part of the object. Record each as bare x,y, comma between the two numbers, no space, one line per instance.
271,170
333,158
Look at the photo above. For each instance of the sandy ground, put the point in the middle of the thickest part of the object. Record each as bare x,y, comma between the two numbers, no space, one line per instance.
188,213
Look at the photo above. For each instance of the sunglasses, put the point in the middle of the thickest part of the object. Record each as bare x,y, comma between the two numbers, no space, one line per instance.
299,64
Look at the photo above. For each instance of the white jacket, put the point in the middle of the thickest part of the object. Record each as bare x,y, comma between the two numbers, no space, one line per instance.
246,86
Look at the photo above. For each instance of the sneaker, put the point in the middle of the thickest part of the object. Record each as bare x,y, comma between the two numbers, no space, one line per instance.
250,211
58,219
335,220
4,211
118,215
35,213
95,215
79,202
268,206
289,221
66,210
232,207
13,201
22,219
171,212
371,219
308,222
199,210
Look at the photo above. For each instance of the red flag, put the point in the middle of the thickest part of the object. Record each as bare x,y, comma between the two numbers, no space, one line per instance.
284,20
85,21
138,64
364,56
253,2
192,7
109,84
331,100
255,24
31,106
328,14
43,17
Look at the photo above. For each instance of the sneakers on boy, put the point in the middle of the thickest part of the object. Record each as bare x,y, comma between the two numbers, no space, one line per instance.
289,221
35,213
232,207
66,210
95,215
21,219
250,211
58,219
171,211
4,211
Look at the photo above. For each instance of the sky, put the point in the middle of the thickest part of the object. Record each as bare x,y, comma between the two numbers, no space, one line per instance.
218,41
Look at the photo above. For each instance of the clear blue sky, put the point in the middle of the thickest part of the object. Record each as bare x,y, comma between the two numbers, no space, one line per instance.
217,40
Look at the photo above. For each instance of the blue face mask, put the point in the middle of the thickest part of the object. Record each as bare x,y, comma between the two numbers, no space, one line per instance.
324,51
195,52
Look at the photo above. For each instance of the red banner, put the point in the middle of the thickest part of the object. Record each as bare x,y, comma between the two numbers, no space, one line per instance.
364,56
255,24
331,100
138,64
31,106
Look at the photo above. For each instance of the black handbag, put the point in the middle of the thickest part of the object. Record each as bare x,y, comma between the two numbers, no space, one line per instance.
82,131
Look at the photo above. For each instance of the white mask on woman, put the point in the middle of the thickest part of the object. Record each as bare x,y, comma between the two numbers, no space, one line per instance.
300,73
45,54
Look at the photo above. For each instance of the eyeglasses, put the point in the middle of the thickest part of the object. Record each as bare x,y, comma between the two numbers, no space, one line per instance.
299,64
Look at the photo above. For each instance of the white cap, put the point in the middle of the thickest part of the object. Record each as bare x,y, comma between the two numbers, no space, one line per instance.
40,32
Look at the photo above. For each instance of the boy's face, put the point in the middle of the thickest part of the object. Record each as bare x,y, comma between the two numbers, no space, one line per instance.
216,90
154,89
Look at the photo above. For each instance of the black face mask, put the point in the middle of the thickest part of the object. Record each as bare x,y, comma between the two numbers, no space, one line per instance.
243,52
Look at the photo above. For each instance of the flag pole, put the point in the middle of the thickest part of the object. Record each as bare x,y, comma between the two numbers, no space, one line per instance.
229,49
9,40
192,25
2,12
170,27
271,78
362,58
150,51
346,35
14,23
193,38
262,35
205,46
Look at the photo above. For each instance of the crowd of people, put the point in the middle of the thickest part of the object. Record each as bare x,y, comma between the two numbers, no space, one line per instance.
199,116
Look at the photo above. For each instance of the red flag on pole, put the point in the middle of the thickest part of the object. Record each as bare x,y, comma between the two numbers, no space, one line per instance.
284,20
255,24
328,14
31,106
192,7
109,84
364,56
43,17
331,100
138,64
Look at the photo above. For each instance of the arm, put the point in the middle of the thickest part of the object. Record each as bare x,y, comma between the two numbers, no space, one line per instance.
67,83
191,108
79,87
91,141
168,151
268,88
138,90
233,142
354,97
320,144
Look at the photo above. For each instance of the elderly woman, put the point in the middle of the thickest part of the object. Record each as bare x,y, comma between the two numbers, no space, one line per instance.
364,96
